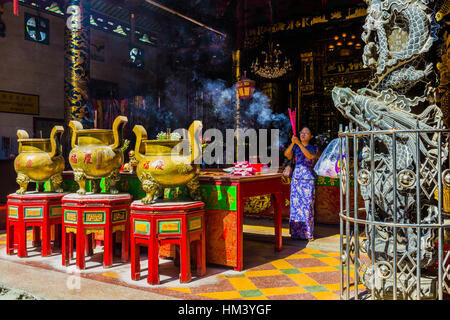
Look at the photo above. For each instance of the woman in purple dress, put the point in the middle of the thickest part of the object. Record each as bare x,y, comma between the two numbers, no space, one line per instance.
301,221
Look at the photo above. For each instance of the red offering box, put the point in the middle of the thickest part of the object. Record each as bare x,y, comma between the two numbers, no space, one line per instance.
256,166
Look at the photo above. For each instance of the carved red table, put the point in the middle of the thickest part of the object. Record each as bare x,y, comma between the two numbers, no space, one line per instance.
95,213
174,223
225,196
39,210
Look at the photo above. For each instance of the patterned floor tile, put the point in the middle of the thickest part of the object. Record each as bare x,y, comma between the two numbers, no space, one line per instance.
251,293
223,285
302,280
326,277
308,262
326,295
294,274
330,261
265,266
273,281
242,283
263,273
317,269
333,254
299,256
224,295
290,271
310,250
300,296
283,290
184,290
257,298
241,275
317,288
332,287
282,264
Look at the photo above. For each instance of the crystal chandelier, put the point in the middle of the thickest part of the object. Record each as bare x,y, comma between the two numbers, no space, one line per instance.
272,67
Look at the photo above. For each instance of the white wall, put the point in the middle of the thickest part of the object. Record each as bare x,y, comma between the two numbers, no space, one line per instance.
34,68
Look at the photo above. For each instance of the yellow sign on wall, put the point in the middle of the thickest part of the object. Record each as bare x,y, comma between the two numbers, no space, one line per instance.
19,103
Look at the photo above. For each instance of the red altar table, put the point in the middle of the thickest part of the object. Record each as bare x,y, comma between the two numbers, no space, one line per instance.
224,196
326,206
39,210
167,223
94,213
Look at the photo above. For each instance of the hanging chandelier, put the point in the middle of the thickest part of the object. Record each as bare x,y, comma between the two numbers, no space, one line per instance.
273,65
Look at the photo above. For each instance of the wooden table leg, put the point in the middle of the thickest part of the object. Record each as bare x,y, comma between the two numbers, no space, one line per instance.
240,234
278,211
135,260
108,247
80,248
185,258
22,247
125,243
57,242
201,256
71,244
65,250
9,238
46,240
36,236
89,244
153,260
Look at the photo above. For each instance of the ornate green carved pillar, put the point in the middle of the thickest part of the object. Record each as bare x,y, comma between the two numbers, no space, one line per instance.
76,59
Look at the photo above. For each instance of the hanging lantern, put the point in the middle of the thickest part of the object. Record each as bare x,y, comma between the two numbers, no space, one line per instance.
245,87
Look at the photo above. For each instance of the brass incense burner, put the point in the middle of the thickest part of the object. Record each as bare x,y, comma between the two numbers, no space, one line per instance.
163,165
39,160
96,154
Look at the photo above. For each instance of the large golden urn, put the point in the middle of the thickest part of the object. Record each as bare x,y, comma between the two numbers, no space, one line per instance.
162,163
39,160
96,154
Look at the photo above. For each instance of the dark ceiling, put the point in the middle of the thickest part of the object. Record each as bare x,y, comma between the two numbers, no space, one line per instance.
169,21
225,16
204,32
200,42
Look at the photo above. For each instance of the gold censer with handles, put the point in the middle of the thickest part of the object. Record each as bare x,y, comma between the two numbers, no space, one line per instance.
163,165
96,154
39,160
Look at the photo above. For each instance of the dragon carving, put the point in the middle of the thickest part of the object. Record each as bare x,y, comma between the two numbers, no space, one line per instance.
398,35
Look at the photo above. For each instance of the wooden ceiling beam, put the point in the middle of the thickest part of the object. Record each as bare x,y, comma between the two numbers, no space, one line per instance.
184,17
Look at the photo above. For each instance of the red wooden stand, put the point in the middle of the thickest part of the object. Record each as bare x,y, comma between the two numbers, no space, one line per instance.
163,223
225,228
94,213
33,209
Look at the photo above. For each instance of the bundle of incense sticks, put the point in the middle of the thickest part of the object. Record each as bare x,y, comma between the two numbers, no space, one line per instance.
293,119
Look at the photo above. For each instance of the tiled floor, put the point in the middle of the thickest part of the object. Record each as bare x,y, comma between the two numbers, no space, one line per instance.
298,272
304,274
